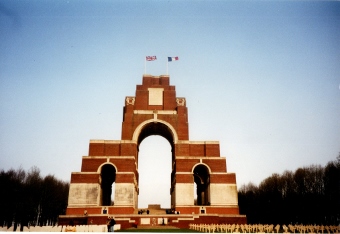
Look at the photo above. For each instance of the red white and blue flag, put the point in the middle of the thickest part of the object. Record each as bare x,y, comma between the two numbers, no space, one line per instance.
151,58
170,59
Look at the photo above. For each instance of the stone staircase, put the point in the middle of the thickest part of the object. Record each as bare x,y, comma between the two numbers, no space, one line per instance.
153,210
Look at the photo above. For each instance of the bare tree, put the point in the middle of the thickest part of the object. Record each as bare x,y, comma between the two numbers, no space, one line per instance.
310,195
28,199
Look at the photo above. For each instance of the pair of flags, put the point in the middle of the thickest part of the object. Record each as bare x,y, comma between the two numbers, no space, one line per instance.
153,58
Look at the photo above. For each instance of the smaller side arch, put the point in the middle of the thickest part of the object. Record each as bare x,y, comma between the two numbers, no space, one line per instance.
107,179
201,173
206,165
110,163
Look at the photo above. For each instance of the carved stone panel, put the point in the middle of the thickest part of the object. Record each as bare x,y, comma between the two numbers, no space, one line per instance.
124,194
184,194
223,194
81,194
180,101
130,101
155,96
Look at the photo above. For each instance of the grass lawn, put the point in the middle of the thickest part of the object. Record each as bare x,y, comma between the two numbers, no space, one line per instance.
157,230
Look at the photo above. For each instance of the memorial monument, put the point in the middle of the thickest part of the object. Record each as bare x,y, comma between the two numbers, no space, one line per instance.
154,110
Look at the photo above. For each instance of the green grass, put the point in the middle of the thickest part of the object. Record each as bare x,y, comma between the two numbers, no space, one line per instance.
156,230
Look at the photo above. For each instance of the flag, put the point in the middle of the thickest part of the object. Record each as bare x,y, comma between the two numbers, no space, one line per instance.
172,59
151,58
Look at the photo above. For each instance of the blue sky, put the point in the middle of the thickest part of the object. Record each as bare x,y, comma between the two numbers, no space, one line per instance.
261,77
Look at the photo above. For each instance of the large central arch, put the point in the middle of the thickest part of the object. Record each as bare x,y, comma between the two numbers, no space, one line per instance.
156,127
154,110
154,170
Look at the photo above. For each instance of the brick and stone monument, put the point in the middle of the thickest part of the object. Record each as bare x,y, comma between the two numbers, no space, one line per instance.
154,110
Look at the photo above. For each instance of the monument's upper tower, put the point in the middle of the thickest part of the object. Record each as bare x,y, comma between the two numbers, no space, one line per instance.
155,100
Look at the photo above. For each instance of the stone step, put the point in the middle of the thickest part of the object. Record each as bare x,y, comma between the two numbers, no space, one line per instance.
152,211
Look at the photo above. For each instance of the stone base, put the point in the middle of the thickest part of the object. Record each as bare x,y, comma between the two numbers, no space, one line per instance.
154,206
175,220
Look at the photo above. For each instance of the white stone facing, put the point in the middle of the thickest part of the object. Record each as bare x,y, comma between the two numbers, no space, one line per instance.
150,112
184,194
166,112
143,112
144,221
110,141
156,96
199,142
125,194
83,194
223,194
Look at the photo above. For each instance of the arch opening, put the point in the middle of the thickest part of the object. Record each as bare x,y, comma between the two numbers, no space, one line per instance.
108,177
202,185
154,172
154,163
156,128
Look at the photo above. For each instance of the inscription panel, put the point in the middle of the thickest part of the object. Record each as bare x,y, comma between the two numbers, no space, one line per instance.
83,194
184,194
156,96
223,194
124,194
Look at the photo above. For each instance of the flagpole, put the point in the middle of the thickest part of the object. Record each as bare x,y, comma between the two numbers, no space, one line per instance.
144,65
167,67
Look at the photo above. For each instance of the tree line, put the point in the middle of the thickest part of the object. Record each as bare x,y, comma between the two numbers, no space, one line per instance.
310,195
28,199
